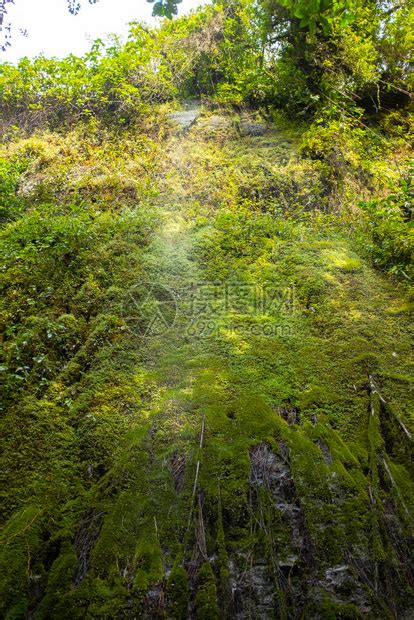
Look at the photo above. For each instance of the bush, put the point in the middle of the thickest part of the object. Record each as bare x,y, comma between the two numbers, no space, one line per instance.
11,204
389,221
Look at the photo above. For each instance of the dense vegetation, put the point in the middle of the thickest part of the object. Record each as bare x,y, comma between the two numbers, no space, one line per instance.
253,460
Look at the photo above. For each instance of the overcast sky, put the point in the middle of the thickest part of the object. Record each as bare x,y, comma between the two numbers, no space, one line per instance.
54,32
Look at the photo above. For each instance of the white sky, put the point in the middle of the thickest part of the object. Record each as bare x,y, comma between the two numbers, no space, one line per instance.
54,32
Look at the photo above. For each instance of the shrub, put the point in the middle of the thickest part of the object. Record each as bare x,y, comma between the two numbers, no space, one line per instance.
389,220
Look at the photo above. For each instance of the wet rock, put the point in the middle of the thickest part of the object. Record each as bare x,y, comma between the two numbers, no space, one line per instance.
248,128
178,464
85,538
345,587
253,592
267,469
324,448
337,575
185,118
289,414
154,602
273,489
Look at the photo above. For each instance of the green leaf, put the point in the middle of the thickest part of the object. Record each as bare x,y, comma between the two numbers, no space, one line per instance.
299,12
326,24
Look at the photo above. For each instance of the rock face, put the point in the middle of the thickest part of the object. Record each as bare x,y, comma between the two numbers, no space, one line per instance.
259,591
187,117
248,128
182,473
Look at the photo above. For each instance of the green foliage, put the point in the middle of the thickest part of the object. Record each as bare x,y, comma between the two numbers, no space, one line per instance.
11,204
165,8
64,264
20,533
300,56
389,223
115,82
322,13
45,262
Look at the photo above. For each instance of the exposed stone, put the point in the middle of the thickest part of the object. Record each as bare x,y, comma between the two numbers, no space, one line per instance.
252,129
185,118
324,448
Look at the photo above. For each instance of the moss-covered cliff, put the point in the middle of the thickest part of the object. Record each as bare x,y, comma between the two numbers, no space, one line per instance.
207,383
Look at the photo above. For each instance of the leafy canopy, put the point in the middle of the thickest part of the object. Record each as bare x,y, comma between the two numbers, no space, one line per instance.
320,13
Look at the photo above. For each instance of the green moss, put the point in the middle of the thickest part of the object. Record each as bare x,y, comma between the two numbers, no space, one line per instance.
107,435
314,396
340,259
331,610
21,536
18,611
367,362
150,570
55,602
177,593
205,603
108,599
